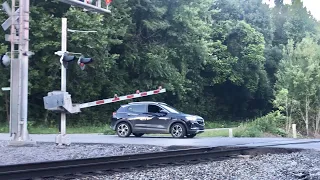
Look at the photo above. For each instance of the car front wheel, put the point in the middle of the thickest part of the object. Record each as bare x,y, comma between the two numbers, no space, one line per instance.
178,130
123,129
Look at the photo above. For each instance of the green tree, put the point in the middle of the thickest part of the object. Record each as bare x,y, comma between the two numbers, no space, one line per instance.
298,76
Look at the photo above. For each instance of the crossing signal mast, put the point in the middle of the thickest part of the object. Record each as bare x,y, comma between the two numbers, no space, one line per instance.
63,97
18,59
60,101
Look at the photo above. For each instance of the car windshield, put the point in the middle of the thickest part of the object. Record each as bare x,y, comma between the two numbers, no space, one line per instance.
171,109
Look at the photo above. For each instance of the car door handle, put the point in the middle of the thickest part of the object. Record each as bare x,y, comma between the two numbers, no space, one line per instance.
131,114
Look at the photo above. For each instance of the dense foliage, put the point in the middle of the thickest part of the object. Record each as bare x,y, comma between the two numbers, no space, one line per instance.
217,58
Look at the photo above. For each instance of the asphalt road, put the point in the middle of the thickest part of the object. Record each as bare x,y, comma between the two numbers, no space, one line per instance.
169,141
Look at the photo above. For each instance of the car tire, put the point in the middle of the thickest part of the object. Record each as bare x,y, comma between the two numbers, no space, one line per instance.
191,135
178,130
138,134
123,129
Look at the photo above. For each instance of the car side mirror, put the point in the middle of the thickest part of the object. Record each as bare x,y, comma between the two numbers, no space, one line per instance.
163,112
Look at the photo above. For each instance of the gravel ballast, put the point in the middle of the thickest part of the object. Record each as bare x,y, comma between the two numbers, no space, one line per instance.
50,152
300,165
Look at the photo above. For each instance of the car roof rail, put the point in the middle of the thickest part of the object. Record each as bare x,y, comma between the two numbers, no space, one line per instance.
146,102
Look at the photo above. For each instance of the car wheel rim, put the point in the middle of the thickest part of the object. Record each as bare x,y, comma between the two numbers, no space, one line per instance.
177,131
123,130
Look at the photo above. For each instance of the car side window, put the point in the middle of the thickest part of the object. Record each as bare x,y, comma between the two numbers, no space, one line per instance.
154,109
137,108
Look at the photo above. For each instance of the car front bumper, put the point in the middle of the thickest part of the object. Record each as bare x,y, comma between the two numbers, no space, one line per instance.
195,131
195,128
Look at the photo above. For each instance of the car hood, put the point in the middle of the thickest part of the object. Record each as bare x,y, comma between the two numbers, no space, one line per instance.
185,115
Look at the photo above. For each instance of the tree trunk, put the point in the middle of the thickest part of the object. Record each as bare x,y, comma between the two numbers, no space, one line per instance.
313,124
290,120
304,117
307,115
317,121
287,114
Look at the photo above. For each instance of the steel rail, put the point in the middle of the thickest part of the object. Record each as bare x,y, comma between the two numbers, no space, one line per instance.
65,167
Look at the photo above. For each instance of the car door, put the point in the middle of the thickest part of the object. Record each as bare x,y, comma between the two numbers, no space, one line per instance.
159,120
137,115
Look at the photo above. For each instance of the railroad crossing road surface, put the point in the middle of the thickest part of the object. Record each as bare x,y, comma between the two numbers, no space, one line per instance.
169,141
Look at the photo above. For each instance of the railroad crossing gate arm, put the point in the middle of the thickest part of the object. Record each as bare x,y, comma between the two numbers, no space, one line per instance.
60,101
138,94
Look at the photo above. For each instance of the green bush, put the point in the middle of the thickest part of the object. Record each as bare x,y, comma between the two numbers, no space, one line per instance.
247,131
269,123
4,128
281,132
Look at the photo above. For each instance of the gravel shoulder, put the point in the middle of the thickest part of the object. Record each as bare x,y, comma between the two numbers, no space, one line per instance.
50,152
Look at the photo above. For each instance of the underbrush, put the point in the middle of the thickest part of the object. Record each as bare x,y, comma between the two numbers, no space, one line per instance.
269,123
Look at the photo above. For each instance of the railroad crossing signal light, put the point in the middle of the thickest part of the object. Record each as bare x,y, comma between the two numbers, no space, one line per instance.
66,58
108,2
83,61
5,60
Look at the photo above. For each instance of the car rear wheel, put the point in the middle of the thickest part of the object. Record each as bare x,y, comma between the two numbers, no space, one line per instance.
178,130
123,129
138,134
191,135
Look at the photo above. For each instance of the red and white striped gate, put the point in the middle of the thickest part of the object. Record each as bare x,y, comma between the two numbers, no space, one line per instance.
138,94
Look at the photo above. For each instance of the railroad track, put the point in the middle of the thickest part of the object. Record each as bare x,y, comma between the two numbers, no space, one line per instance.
116,163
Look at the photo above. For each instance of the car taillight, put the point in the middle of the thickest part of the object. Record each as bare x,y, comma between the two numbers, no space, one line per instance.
114,113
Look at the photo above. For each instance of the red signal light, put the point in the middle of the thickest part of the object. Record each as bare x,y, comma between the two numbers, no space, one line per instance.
108,2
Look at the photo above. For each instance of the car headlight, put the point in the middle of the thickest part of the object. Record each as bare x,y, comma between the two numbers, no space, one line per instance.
191,118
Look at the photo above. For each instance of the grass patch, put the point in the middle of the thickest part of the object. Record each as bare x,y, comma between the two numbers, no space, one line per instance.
108,131
215,133
4,128
256,128
221,124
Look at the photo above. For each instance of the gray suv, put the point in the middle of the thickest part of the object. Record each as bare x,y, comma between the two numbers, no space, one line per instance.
141,118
